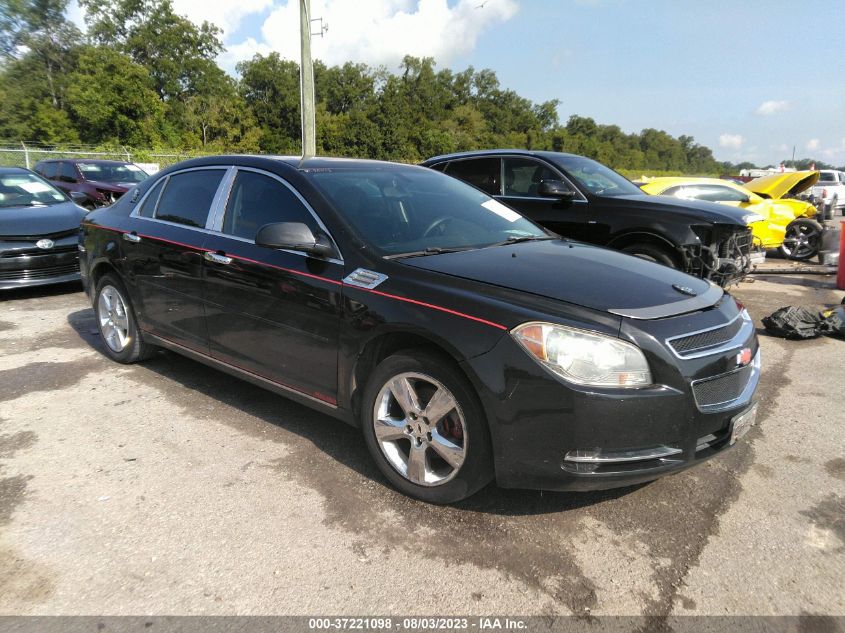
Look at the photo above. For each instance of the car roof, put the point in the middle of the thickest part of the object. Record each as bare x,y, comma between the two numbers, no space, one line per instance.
14,170
501,152
296,162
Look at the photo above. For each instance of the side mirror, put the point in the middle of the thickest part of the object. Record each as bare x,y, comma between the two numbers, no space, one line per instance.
78,197
556,189
293,236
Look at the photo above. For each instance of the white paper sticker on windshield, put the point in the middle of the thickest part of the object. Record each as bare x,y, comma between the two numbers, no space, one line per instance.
34,187
501,210
132,168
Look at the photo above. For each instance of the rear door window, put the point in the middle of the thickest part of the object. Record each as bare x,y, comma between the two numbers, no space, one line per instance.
484,173
148,208
188,196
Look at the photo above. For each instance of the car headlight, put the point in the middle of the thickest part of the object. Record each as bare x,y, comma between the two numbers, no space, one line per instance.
582,357
750,218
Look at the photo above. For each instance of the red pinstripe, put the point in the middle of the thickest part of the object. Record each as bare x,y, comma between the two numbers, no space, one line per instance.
319,278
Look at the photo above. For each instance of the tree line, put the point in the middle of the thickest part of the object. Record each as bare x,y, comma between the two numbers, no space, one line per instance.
142,76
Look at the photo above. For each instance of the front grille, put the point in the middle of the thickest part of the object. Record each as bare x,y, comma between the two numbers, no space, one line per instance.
35,251
35,238
723,389
39,273
703,340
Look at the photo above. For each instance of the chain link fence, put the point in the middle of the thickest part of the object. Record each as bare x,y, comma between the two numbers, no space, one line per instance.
27,154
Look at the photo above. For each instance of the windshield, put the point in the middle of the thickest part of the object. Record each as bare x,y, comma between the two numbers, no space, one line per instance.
596,178
24,189
108,172
414,210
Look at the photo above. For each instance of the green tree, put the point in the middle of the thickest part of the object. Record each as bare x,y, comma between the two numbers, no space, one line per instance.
40,27
179,55
270,88
113,100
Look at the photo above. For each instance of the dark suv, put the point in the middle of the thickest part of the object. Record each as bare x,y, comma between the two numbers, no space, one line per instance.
582,199
102,181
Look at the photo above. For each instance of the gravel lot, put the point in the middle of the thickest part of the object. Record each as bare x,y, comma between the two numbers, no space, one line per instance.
171,488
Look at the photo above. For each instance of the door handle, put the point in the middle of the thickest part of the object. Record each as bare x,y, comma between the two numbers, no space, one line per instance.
132,237
217,258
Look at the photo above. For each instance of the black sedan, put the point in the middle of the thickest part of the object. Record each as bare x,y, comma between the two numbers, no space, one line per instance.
39,227
582,199
421,309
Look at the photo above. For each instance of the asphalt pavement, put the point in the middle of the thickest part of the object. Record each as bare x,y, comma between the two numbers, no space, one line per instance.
171,488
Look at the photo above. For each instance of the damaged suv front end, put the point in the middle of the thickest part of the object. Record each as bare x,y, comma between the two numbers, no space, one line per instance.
721,253
581,199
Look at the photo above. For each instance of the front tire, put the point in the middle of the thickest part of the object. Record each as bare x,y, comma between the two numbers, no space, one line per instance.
802,240
651,253
116,322
425,428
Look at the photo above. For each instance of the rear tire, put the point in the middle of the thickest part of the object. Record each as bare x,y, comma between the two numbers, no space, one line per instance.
425,428
652,253
802,240
117,324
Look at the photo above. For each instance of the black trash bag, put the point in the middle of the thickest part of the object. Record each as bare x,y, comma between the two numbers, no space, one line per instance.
833,322
803,322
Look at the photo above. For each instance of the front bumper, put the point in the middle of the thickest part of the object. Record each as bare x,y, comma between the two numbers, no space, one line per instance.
23,265
554,436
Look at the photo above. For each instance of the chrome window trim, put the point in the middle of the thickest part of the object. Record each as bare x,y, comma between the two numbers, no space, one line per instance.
217,209
736,341
220,200
135,212
218,225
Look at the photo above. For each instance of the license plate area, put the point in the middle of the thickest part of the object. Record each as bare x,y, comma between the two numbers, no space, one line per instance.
742,423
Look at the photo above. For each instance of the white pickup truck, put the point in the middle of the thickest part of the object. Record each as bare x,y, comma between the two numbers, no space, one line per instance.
830,188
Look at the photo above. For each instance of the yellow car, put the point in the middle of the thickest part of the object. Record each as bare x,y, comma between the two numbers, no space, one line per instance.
787,224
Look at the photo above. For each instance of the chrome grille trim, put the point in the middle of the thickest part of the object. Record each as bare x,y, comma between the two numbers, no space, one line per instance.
737,340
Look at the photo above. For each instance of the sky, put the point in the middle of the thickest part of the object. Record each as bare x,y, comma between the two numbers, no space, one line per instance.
750,79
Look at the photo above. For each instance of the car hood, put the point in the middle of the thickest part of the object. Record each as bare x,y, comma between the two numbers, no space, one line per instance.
56,218
699,209
580,274
778,185
121,187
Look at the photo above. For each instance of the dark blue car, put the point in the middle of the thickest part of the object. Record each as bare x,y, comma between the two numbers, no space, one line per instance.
39,226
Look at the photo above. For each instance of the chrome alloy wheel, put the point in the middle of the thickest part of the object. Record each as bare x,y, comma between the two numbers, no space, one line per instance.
420,429
113,317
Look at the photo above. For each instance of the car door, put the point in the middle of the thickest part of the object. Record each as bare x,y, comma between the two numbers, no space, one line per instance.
164,254
274,313
568,217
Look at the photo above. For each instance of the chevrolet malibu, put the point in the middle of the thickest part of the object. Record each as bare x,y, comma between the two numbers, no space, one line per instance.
419,308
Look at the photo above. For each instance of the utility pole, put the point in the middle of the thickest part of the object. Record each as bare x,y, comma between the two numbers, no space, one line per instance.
306,81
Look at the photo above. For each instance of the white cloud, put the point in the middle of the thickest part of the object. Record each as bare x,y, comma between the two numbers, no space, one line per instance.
238,52
813,144
730,141
383,31
76,14
768,108
227,14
